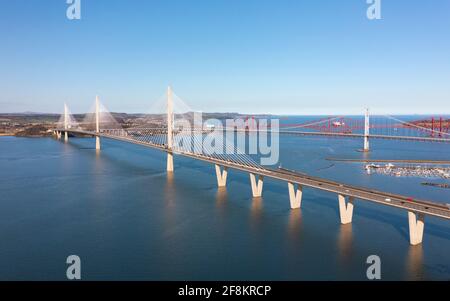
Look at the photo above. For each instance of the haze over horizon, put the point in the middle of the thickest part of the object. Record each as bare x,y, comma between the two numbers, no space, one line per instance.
254,57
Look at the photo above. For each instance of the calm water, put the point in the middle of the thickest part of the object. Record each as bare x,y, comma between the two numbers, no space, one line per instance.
128,220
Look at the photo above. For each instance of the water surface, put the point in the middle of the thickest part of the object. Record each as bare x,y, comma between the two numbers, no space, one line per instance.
128,220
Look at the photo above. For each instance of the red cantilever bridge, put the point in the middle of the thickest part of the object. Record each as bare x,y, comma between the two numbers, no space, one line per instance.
161,136
431,129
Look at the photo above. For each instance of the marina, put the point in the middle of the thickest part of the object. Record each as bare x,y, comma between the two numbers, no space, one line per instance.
421,171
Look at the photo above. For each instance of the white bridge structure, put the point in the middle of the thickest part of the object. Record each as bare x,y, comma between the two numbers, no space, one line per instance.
162,137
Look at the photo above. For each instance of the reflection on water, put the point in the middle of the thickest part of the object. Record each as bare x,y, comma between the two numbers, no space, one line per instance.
170,214
345,241
98,182
170,187
98,162
414,263
295,225
365,155
156,226
256,212
221,198
169,197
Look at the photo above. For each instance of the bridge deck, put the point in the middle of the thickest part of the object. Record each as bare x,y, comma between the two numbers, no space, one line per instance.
389,199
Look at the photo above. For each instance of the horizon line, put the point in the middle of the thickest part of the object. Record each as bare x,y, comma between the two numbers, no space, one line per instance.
230,112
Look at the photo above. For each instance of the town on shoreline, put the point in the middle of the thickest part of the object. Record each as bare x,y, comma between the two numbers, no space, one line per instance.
42,124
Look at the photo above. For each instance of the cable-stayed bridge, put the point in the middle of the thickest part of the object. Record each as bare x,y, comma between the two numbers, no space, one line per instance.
170,133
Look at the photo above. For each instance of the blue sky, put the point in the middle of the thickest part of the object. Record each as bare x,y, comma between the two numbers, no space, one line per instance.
250,56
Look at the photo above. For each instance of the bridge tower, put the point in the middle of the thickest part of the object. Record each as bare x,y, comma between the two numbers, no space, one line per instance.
66,122
97,123
169,129
366,131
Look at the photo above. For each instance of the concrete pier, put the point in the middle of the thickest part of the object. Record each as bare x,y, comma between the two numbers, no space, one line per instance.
416,227
295,195
345,209
257,185
221,173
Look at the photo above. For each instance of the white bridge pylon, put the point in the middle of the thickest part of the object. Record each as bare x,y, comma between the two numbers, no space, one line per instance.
67,121
187,133
97,120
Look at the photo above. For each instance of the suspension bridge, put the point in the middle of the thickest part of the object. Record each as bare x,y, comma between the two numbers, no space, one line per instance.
167,134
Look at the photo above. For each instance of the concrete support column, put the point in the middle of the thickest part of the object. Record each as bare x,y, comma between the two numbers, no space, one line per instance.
416,226
345,209
221,176
257,186
295,195
66,136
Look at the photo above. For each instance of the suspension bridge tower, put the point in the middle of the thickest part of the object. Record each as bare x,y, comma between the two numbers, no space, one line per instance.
366,131
169,129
